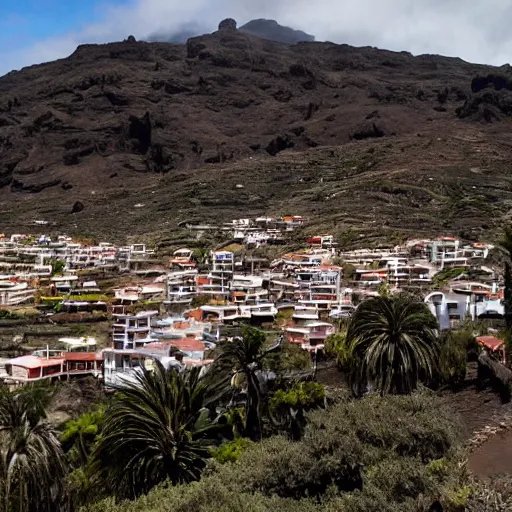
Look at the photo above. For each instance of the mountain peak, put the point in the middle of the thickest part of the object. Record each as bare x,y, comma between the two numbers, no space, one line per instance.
271,29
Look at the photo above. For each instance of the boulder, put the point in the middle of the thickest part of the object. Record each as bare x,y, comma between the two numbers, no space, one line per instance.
279,144
77,207
228,24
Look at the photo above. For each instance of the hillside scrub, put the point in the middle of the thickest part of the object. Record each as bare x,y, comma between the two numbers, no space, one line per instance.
373,454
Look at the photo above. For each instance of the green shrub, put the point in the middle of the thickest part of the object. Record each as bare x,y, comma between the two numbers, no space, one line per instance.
231,450
212,494
370,455
290,357
88,298
453,357
304,395
298,470
199,300
417,425
8,314
57,266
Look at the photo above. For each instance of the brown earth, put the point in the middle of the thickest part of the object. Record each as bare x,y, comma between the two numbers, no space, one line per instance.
135,138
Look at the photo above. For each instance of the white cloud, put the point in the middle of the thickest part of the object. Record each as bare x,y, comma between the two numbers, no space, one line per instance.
477,31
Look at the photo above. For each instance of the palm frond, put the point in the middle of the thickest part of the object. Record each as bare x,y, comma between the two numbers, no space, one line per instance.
395,341
158,427
32,464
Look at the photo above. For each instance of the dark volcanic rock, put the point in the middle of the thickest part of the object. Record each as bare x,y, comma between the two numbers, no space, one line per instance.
78,207
110,110
140,131
279,144
497,82
270,29
228,24
488,105
367,132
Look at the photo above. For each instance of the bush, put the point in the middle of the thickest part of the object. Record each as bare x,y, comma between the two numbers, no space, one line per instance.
200,300
212,494
58,266
288,406
453,356
288,469
290,357
231,450
417,425
305,395
371,455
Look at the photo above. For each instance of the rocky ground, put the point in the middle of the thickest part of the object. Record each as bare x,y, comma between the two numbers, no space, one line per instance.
134,138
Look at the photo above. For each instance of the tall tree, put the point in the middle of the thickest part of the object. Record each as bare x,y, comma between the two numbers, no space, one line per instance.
158,427
245,356
32,464
395,342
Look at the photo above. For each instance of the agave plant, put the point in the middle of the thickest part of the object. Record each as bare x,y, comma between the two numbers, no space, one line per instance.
158,427
394,340
32,464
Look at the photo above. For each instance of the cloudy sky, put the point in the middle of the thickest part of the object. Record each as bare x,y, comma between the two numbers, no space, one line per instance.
34,31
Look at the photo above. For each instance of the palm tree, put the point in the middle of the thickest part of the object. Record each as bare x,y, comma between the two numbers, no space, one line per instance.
394,340
32,467
158,427
245,355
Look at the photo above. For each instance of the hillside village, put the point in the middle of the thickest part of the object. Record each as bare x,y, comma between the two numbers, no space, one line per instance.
178,309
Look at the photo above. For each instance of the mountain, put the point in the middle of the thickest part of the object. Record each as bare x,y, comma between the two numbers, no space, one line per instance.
270,29
137,137
266,29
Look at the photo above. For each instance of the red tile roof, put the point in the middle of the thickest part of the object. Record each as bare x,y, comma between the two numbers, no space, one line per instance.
491,342
35,362
83,356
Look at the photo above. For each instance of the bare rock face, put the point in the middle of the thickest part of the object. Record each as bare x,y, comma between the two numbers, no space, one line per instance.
491,99
228,24
77,207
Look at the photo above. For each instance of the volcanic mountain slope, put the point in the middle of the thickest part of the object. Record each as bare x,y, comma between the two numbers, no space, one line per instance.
138,137
270,29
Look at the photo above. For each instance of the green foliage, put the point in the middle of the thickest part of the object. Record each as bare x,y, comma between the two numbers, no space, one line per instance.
376,454
231,450
446,275
32,465
212,494
57,266
304,395
356,298
8,314
284,316
199,300
94,297
384,290
454,346
337,346
245,357
290,357
80,435
158,427
395,343
349,271
506,245
287,407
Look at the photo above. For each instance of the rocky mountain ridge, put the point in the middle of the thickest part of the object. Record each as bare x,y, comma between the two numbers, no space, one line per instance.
191,122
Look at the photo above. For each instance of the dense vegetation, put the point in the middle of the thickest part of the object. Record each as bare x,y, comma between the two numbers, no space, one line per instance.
257,433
